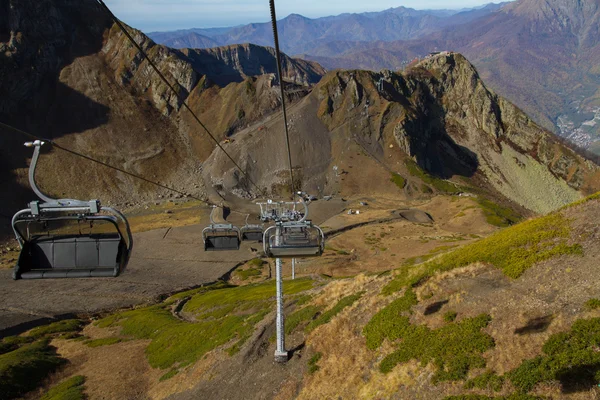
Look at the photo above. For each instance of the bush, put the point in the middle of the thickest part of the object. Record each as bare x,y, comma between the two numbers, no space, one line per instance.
23,369
71,389
513,250
569,357
454,349
312,363
335,310
592,304
486,381
398,180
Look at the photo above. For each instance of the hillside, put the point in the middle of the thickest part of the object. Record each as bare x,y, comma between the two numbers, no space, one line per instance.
515,315
542,55
438,114
85,86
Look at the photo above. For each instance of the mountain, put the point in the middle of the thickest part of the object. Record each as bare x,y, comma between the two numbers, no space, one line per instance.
92,86
542,55
439,114
86,87
235,63
191,40
299,34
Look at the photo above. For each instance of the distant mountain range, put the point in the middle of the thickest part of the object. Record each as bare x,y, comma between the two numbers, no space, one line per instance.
542,55
299,34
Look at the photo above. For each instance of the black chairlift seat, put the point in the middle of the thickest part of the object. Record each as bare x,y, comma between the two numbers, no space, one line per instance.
59,254
252,232
294,239
72,256
221,237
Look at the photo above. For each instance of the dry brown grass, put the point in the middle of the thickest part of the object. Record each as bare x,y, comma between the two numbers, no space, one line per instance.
167,215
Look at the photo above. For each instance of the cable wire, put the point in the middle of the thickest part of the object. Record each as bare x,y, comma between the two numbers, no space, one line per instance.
65,149
183,102
280,75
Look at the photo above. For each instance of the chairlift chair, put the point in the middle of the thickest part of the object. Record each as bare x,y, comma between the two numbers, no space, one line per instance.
297,238
220,236
50,253
252,232
294,239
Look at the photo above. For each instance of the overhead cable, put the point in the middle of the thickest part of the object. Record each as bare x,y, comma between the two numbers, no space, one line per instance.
177,93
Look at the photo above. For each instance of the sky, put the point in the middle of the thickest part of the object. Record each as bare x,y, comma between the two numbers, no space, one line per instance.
166,15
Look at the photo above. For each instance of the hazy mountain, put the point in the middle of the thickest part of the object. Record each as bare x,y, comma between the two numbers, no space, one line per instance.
299,34
191,40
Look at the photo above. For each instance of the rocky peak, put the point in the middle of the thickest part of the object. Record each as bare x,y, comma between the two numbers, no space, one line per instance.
442,115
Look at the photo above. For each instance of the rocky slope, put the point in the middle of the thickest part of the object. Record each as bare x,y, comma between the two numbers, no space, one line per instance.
84,85
92,91
439,114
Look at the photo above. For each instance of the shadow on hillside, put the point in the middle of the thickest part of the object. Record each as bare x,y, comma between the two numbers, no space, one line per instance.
579,379
431,140
34,100
70,112
535,325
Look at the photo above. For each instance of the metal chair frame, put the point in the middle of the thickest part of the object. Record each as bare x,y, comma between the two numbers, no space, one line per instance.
49,209
220,237
253,232
291,238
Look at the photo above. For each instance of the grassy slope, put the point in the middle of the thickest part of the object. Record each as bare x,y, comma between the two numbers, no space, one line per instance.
224,316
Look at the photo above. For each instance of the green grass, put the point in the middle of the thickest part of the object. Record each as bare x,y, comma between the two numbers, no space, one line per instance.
22,370
498,215
438,184
302,299
391,322
335,310
454,349
569,357
312,363
450,316
256,263
426,189
12,343
398,180
582,201
200,290
513,250
70,389
300,316
68,325
592,304
169,375
102,342
489,380
224,315
245,274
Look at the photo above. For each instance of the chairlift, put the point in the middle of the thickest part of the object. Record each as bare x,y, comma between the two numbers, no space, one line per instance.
220,236
290,239
50,250
252,231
